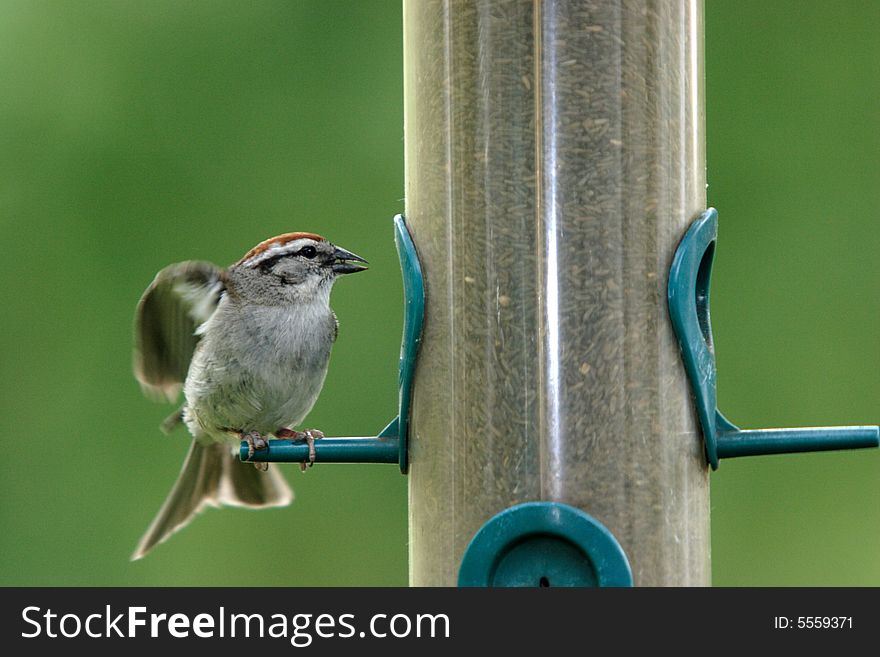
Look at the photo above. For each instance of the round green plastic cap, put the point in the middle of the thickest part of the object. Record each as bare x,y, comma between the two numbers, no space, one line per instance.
544,544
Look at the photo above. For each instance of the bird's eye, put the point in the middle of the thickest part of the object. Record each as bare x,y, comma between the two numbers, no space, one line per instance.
308,252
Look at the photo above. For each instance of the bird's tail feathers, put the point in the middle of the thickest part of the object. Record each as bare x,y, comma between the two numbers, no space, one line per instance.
213,476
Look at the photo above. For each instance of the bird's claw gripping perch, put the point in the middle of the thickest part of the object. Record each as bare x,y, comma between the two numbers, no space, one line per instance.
309,436
255,442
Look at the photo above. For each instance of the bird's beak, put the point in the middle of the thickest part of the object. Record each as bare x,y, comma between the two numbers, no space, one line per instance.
341,264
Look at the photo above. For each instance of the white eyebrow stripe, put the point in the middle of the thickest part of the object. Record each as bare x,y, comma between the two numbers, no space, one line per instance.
279,249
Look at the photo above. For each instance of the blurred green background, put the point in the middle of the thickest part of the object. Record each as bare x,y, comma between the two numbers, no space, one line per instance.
133,135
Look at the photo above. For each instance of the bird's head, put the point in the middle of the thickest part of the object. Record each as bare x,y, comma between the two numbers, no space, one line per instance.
292,268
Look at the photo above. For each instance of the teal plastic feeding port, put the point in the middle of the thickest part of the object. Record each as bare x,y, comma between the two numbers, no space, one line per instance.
688,297
390,446
544,544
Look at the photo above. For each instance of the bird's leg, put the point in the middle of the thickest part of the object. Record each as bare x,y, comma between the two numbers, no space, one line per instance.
255,441
309,435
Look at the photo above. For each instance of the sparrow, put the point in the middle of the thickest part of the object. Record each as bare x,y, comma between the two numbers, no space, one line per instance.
249,345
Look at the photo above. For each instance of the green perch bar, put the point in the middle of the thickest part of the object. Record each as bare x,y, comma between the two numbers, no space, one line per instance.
328,450
754,442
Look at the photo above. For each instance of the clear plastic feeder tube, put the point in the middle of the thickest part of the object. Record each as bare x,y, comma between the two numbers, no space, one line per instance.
554,158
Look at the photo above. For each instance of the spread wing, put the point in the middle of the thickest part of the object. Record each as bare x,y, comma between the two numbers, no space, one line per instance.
178,301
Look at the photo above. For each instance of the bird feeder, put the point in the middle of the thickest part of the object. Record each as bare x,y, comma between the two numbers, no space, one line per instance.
560,419
554,159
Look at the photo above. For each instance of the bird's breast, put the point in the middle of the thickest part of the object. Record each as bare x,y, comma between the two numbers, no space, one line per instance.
260,369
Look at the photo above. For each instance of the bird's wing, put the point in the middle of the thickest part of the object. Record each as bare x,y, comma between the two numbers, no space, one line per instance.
179,300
